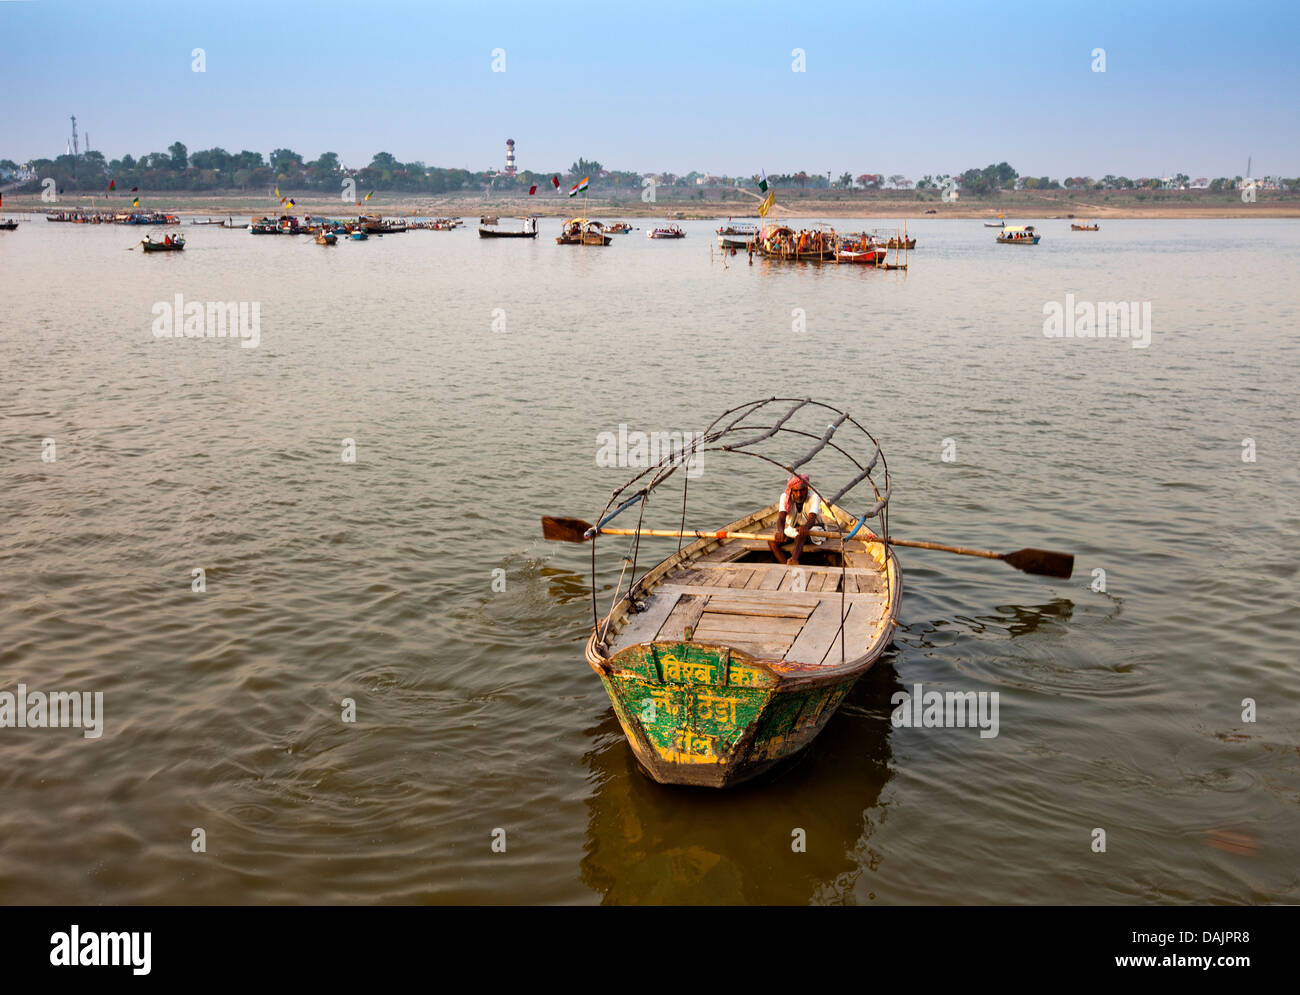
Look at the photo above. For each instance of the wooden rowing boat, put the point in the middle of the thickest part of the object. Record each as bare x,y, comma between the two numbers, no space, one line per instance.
721,662
177,244
1093,227
529,230
9,225
724,659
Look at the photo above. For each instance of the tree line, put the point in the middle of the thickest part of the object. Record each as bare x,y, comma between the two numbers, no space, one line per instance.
213,169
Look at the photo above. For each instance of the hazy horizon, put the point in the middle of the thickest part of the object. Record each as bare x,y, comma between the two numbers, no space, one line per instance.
926,90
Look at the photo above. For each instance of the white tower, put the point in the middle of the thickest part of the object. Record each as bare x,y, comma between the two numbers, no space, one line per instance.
510,157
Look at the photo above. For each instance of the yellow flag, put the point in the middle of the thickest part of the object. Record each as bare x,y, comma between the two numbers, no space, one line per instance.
766,206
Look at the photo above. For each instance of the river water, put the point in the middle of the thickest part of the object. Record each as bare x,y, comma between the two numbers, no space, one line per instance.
473,378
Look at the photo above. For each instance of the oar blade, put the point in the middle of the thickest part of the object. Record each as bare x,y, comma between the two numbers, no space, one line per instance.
1042,562
564,529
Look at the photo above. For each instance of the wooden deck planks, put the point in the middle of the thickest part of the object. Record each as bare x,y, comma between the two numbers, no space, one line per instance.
754,625
815,639
780,597
859,629
643,626
685,615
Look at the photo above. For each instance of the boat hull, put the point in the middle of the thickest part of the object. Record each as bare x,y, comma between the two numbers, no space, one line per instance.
711,716
873,257
703,712
1018,241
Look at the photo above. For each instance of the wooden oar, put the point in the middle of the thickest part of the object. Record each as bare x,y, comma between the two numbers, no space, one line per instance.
1041,562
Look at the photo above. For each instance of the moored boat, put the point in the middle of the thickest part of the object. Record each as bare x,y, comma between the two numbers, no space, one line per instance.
721,662
860,248
737,234
1018,235
780,241
529,230
581,231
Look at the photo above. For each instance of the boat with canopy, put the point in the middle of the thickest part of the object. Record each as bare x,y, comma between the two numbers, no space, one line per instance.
720,661
723,659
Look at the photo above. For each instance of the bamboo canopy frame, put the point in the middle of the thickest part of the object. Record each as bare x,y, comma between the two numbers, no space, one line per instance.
741,431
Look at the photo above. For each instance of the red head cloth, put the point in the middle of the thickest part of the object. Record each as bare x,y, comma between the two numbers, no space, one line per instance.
799,478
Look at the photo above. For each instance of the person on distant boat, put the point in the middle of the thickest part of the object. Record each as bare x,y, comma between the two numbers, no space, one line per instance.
797,512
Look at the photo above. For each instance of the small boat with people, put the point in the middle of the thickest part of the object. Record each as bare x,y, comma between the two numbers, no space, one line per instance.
618,228
1086,227
860,247
737,234
666,231
730,655
168,243
8,224
326,236
1018,235
582,231
995,224
529,230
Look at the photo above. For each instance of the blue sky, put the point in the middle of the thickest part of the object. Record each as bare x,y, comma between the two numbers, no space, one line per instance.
900,87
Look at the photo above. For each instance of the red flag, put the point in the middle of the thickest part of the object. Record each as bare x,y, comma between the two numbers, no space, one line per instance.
532,190
112,184
555,182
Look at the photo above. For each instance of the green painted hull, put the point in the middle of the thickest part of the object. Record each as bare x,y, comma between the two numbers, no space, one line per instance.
710,715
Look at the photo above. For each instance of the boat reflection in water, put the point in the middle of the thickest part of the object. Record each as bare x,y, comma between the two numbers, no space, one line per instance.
649,843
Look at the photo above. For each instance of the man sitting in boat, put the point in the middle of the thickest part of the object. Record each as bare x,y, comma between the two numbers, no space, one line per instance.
799,511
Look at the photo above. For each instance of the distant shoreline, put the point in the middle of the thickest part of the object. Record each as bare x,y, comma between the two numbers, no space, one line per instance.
794,204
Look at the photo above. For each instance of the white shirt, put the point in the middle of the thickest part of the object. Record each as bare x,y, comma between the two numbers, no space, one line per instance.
800,514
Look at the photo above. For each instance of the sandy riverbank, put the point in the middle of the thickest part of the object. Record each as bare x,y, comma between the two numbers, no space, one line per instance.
801,204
